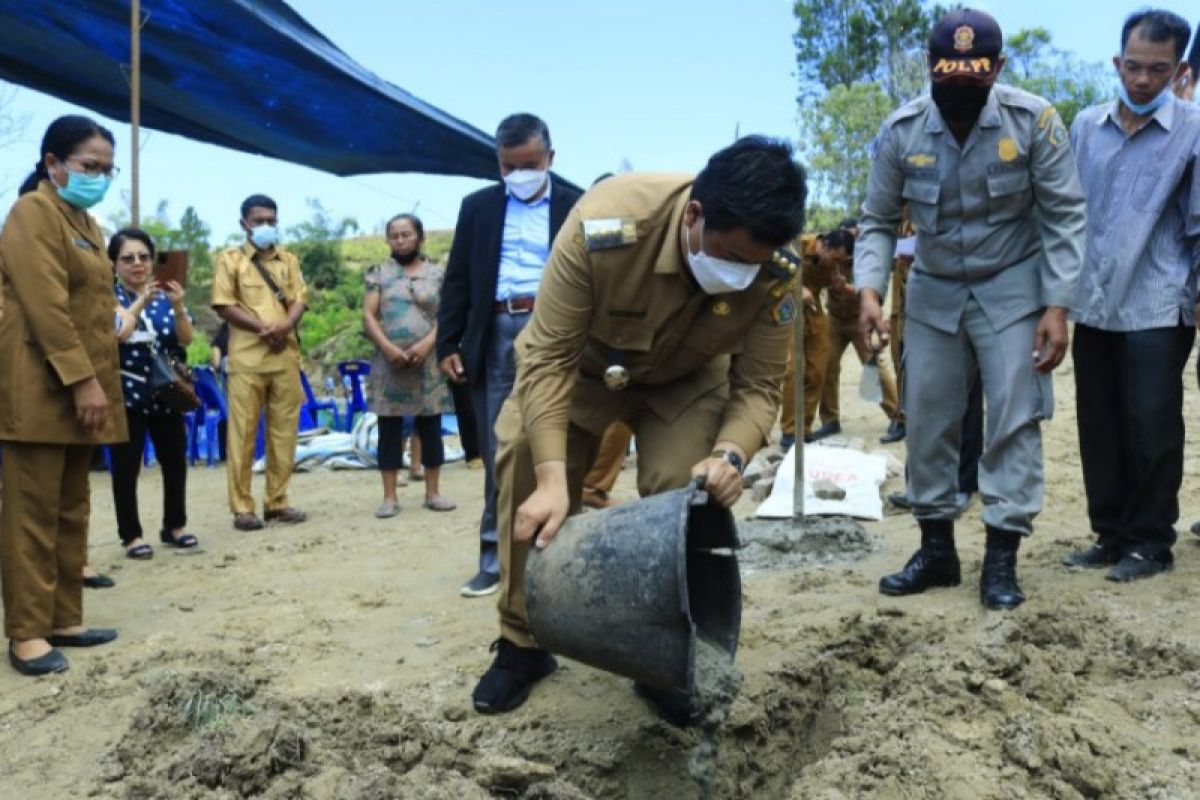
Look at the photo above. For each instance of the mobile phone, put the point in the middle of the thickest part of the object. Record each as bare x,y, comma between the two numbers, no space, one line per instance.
171,265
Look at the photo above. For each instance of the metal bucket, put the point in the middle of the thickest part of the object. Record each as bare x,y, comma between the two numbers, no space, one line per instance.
629,589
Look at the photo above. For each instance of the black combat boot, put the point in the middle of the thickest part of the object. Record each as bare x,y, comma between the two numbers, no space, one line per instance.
998,587
935,564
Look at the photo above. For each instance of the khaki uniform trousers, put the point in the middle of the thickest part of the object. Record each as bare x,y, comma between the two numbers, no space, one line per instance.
43,536
843,334
249,393
614,446
667,451
816,356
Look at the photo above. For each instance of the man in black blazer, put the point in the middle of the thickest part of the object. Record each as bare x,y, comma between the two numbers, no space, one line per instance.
501,242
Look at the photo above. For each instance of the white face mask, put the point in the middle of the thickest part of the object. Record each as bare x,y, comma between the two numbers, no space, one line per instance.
716,275
523,184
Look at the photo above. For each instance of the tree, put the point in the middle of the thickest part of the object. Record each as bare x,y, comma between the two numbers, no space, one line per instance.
843,42
317,243
1036,65
837,142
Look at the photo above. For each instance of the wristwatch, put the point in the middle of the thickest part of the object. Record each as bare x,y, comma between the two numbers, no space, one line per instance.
730,456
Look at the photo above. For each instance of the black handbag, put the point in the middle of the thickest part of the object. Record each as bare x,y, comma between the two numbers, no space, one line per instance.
171,383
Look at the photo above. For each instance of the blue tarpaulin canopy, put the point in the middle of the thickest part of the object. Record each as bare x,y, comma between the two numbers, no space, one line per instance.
250,75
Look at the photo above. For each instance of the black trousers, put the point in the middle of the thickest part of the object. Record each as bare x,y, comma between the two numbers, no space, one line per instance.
391,441
1129,400
169,436
468,429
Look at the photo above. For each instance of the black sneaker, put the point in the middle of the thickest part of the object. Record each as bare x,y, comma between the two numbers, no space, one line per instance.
1135,566
824,432
483,584
511,676
1101,554
895,432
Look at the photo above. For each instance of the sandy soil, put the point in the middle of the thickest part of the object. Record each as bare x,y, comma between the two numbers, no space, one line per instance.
336,659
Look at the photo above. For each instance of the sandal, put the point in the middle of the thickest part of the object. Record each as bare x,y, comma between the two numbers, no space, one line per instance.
140,553
439,503
387,509
183,542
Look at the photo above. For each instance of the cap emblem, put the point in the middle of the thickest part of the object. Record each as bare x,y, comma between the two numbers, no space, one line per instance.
964,38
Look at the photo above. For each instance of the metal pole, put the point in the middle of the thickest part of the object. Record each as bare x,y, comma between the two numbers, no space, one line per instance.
135,102
798,487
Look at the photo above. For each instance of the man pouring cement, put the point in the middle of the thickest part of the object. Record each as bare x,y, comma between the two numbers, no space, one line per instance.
988,175
655,308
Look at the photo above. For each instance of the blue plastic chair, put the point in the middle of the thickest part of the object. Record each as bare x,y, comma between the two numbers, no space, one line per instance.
213,410
355,372
309,412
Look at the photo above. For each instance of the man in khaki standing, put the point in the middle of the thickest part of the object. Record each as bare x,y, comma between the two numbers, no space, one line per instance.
259,291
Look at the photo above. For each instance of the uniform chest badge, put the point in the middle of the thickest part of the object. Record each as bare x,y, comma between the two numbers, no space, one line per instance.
1007,149
964,38
603,234
922,160
721,308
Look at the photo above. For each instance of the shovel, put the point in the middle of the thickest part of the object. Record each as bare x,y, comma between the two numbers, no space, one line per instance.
870,387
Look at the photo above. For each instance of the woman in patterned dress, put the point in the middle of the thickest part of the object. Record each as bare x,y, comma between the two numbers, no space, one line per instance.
400,317
153,316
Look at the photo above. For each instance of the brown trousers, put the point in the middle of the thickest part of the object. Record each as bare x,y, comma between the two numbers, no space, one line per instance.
816,356
249,393
667,451
43,536
614,446
843,334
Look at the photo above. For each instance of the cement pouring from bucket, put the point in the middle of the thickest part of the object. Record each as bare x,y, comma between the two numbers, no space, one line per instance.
649,590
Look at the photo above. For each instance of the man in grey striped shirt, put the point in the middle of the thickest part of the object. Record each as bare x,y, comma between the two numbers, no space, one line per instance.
1135,311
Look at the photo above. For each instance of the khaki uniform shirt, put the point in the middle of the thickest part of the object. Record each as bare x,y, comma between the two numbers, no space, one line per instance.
58,325
237,282
1001,218
626,298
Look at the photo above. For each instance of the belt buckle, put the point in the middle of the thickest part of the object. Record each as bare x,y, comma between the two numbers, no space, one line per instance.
616,378
508,306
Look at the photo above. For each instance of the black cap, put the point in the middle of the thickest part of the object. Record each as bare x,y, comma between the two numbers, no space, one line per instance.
965,42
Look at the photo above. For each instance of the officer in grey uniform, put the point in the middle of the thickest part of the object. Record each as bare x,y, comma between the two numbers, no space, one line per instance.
988,174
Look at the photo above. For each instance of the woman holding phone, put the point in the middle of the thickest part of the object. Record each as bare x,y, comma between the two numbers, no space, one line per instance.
153,319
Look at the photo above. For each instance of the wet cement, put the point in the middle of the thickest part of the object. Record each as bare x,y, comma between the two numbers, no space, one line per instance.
781,544
717,685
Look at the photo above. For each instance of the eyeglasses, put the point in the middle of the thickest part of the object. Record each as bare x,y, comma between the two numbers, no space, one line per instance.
93,169
134,258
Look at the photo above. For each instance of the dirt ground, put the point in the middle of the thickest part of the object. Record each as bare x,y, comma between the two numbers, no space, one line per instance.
335,660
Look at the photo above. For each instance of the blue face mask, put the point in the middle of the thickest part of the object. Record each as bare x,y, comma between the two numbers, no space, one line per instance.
1145,109
84,191
264,236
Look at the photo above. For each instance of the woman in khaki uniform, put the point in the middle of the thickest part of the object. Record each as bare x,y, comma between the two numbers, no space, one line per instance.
60,393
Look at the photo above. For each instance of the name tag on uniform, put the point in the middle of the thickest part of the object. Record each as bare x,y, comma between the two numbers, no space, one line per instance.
84,244
603,234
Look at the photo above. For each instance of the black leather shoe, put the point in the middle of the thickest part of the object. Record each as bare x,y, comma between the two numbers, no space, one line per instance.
825,431
511,676
998,587
1135,566
895,432
935,564
89,638
98,582
672,706
900,500
1101,554
50,663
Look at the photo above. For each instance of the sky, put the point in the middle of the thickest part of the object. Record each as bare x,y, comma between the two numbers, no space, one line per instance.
658,85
